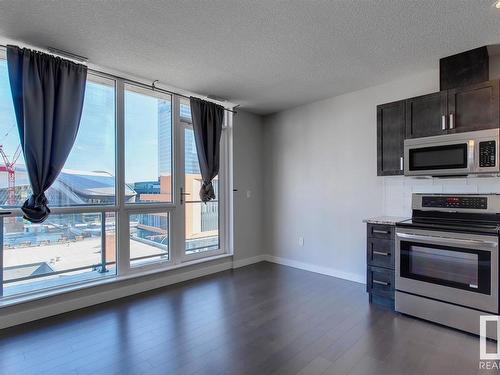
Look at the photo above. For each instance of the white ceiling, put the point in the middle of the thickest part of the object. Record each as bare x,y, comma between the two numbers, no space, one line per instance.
267,55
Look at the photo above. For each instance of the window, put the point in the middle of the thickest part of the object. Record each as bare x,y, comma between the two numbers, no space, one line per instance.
88,177
201,219
149,240
65,249
148,145
116,205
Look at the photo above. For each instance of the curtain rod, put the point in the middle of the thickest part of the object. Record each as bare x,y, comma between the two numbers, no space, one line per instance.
152,86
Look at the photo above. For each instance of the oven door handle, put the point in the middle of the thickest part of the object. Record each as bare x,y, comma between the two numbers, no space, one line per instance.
447,240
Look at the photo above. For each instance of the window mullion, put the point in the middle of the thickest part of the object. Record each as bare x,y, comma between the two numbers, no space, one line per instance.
122,228
228,183
177,218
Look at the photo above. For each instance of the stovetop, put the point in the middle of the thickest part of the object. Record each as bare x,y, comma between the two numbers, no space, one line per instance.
465,213
450,225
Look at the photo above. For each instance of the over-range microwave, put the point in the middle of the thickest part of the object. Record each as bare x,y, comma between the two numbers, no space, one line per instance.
455,154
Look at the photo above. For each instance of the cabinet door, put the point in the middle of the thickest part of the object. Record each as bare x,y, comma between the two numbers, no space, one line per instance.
426,115
474,107
390,136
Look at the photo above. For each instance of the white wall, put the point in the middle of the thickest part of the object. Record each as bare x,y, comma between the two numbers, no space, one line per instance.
321,177
248,161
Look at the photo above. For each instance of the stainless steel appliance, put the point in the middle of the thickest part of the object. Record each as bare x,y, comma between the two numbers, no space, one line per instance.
447,259
452,154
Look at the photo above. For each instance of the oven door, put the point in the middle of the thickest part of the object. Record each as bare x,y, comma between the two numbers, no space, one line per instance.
459,268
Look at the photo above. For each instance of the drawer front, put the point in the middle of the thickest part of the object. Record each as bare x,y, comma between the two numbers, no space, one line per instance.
380,281
380,252
380,231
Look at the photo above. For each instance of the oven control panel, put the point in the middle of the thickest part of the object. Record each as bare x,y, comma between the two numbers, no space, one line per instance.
487,154
477,203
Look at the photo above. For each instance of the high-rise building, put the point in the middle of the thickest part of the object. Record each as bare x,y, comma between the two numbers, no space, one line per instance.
165,141
164,138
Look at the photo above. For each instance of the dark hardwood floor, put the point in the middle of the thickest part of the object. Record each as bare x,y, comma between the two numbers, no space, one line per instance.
260,319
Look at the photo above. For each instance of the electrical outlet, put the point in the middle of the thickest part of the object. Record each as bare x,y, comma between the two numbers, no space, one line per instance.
249,194
301,241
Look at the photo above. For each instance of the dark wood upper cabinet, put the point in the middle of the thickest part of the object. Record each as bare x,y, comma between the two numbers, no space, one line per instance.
426,115
469,108
474,107
390,138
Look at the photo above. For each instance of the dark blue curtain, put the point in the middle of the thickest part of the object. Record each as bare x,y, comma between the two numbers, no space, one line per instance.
207,120
48,95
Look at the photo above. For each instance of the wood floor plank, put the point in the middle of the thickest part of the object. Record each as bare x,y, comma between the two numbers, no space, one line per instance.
260,319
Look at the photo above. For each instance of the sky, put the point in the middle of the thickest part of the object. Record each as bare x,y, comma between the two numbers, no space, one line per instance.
94,148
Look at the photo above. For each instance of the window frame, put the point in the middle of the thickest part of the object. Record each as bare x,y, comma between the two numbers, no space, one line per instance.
183,124
122,210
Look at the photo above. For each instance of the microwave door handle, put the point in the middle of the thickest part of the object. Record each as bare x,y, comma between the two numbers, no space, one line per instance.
446,240
471,145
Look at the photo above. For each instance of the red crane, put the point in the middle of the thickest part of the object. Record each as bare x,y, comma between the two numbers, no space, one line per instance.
10,168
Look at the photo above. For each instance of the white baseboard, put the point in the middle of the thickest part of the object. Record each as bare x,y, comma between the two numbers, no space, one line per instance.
317,269
247,261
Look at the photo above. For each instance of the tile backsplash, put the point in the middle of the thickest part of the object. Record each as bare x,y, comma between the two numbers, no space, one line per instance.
398,190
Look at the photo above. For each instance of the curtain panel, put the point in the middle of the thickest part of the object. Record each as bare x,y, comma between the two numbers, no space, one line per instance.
48,94
207,120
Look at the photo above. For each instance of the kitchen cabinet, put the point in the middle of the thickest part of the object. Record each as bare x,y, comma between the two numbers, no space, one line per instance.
474,107
426,115
380,264
390,138
463,109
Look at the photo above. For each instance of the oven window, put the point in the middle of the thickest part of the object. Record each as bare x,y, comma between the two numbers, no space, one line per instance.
449,266
438,157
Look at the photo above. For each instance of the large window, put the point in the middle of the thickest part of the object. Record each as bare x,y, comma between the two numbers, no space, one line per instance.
126,200
66,248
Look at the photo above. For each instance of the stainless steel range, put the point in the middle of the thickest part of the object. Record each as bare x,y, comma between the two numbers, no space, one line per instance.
447,259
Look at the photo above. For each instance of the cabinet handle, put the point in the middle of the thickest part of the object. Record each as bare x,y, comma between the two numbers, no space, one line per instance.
401,163
380,231
443,122
452,125
381,253
380,282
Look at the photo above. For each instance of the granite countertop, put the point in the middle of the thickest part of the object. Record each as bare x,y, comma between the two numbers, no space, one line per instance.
388,220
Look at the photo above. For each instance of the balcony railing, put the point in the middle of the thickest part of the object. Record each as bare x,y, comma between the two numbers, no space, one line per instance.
102,267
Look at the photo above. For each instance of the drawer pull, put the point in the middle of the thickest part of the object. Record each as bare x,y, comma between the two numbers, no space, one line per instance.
381,282
380,231
381,253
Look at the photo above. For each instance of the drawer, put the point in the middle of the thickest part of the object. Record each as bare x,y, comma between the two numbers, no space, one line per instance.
380,252
380,231
380,281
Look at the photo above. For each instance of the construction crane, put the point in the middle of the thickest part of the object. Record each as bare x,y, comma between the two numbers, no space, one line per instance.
9,167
